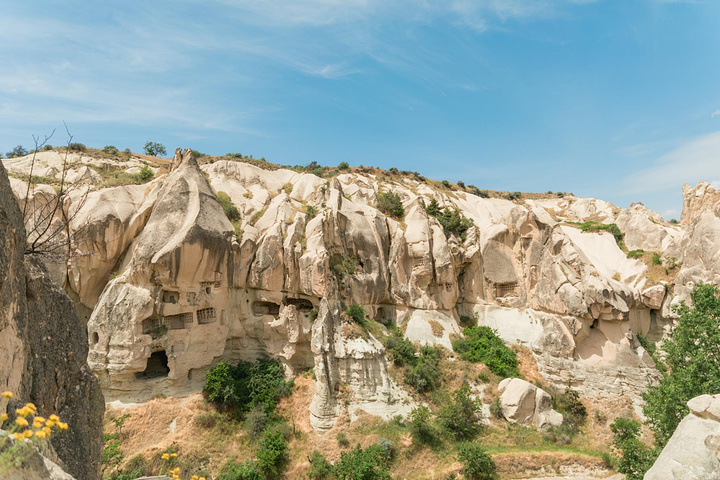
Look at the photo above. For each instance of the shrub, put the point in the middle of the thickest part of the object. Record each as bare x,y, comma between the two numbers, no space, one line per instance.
635,458
461,184
145,174
77,147
247,470
446,184
341,265
394,170
18,151
452,221
514,196
50,147
127,151
342,439
568,403
390,204
636,253
495,409
231,211
310,211
356,313
597,227
343,166
247,385
154,149
480,193
272,456
359,464
425,374
111,149
256,421
421,426
477,464
206,420
320,468
462,418
401,349
482,345
656,258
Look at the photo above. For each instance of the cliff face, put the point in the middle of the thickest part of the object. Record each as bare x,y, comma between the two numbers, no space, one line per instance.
43,347
188,287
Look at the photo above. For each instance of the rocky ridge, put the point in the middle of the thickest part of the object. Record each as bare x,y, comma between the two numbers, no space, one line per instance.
173,286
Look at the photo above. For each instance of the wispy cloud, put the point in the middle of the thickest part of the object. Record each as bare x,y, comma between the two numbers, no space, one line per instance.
697,160
716,112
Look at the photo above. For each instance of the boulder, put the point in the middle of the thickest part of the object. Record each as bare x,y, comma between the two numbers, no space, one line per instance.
525,404
693,451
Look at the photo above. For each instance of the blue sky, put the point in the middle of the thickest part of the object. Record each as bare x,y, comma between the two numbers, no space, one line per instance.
617,100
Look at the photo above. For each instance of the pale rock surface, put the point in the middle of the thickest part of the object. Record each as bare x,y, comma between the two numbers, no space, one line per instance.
523,403
693,451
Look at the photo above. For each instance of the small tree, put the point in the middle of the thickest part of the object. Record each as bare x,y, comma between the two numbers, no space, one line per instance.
635,457
155,149
477,464
18,151
463,417
390,204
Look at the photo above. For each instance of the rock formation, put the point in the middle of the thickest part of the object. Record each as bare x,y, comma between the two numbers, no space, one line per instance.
693,451
44,346
170,286
523,403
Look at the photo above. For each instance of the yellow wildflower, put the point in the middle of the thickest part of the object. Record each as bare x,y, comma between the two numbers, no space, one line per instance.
3,417
37,425
6,394
40,434
176,471
175,477
49,423
28,433
31,406
38,418
47,431
201,478
194,477
22,412
165,456
21,421
54,418
62,425
17,436
174,455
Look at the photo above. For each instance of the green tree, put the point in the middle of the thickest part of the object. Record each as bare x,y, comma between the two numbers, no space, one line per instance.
462,418
693,362
154,149
635,457
18,151
145,174
477,464
390,204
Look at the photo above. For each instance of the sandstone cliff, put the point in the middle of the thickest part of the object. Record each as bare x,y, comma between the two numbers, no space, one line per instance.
43,347
188,287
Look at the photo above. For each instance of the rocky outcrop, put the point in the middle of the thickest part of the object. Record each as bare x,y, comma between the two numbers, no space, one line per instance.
523,403
693,451
43,347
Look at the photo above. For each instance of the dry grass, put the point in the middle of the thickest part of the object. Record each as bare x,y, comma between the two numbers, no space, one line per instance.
437,329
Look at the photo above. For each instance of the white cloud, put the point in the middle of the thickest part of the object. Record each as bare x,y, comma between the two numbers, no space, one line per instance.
716,112
697,160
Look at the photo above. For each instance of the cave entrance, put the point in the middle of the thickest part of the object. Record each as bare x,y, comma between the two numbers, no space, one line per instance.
157,366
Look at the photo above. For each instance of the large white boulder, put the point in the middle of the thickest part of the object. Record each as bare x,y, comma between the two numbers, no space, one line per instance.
523,403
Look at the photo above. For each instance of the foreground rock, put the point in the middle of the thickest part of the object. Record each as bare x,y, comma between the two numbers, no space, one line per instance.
693,451
43,348
525,404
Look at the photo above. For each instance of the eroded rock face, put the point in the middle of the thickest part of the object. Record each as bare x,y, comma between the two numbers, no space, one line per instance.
523,403
173,286
43,348
693,451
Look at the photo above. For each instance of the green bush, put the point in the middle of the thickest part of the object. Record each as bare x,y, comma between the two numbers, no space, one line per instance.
50,147
356,313
514,196
462,418
310,211
656,258
320,468
77,147
145,174
401,349
635,458
256,421
390,204
692,361
18,151
111,149
425,373
248,470
341,265
343,166
477,464
568,403
599,227
482,345
342,439
272,456
247,385
231,211
452,221
358,464
421,426
446,184
636,253
461,184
